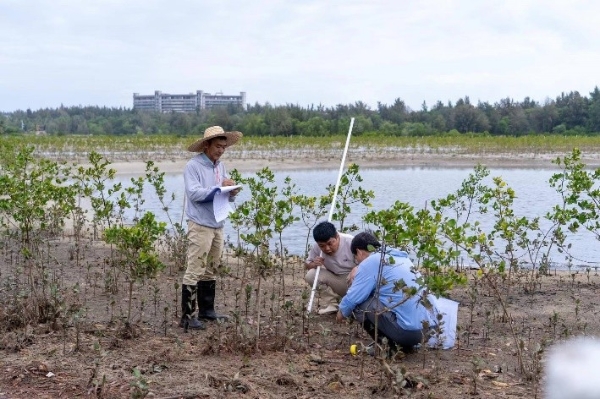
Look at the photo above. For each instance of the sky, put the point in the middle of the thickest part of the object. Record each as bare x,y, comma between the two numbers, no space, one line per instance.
304,52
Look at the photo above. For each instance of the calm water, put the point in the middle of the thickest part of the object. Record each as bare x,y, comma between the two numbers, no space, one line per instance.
416,186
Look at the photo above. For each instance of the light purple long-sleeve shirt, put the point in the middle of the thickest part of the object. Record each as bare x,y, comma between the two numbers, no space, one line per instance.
200,177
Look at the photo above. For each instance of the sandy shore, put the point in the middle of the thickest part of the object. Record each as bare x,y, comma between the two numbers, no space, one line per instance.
541,161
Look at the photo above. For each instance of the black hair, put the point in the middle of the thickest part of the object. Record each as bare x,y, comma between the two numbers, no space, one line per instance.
363,241
324,231
215,138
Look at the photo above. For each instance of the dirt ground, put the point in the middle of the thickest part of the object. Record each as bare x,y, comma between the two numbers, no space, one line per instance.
93,353
84,348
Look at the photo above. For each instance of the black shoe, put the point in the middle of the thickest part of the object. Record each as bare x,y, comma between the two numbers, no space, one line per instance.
191,322
188,299
206,301
390,353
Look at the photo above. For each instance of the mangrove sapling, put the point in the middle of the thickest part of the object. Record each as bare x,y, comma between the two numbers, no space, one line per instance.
488,276
437,333
311,210
176,298
141,306
508,228
238,221
514,233
134,194
176,238
284,217
95,384
463,203
36,205
135,245
139,385
476,367
131,197
93,182
248,295
165,320
420,233
257,218
479,247
34,185
349,194
236,310
156,297
580,193
78,218
289,322
553,322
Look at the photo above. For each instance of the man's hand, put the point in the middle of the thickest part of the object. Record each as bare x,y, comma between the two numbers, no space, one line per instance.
339,317
318,261
229,182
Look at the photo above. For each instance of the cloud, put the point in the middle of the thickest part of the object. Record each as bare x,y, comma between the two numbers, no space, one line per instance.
307,52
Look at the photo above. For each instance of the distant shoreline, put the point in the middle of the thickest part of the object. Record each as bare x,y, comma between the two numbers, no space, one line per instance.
249,165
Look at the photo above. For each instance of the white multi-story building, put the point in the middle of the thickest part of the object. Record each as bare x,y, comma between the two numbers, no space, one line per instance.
163,102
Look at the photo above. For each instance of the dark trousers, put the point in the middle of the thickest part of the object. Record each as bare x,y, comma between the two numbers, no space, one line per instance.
387,325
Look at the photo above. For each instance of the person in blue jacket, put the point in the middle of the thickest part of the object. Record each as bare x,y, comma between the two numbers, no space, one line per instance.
401,315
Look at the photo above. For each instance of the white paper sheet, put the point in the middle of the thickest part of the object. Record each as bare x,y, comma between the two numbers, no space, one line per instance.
221,205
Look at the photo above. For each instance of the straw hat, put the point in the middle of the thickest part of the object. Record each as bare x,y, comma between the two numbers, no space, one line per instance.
211,133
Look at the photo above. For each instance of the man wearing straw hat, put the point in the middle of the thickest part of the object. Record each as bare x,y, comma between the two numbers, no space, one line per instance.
202,174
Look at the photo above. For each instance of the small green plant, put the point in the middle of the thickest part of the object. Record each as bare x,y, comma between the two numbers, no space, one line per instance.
30,188
255,217
311,210
476,367
135,246
349,193
176,239
580,192
95,183
139,385
284,218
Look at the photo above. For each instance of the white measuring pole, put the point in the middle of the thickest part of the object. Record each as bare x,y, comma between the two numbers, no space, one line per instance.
335,191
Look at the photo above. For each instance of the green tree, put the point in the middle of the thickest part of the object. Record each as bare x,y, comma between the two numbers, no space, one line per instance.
467,118
279,122
572,109
594,111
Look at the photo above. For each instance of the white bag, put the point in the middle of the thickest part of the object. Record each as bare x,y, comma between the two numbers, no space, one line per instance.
449,311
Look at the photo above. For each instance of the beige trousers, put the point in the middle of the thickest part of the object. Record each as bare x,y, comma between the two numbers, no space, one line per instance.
205,245
330,287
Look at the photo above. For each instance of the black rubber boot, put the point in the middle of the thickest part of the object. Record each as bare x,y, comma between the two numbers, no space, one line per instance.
206,301
370,329
188,302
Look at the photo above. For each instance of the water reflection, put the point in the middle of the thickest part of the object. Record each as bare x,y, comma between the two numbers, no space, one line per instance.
416,186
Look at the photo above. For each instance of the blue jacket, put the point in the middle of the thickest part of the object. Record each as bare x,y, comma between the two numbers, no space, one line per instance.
410,313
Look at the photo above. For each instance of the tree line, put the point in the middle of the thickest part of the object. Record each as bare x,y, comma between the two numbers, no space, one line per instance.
567,114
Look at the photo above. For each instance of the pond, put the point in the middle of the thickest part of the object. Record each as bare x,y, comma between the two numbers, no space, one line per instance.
414,185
